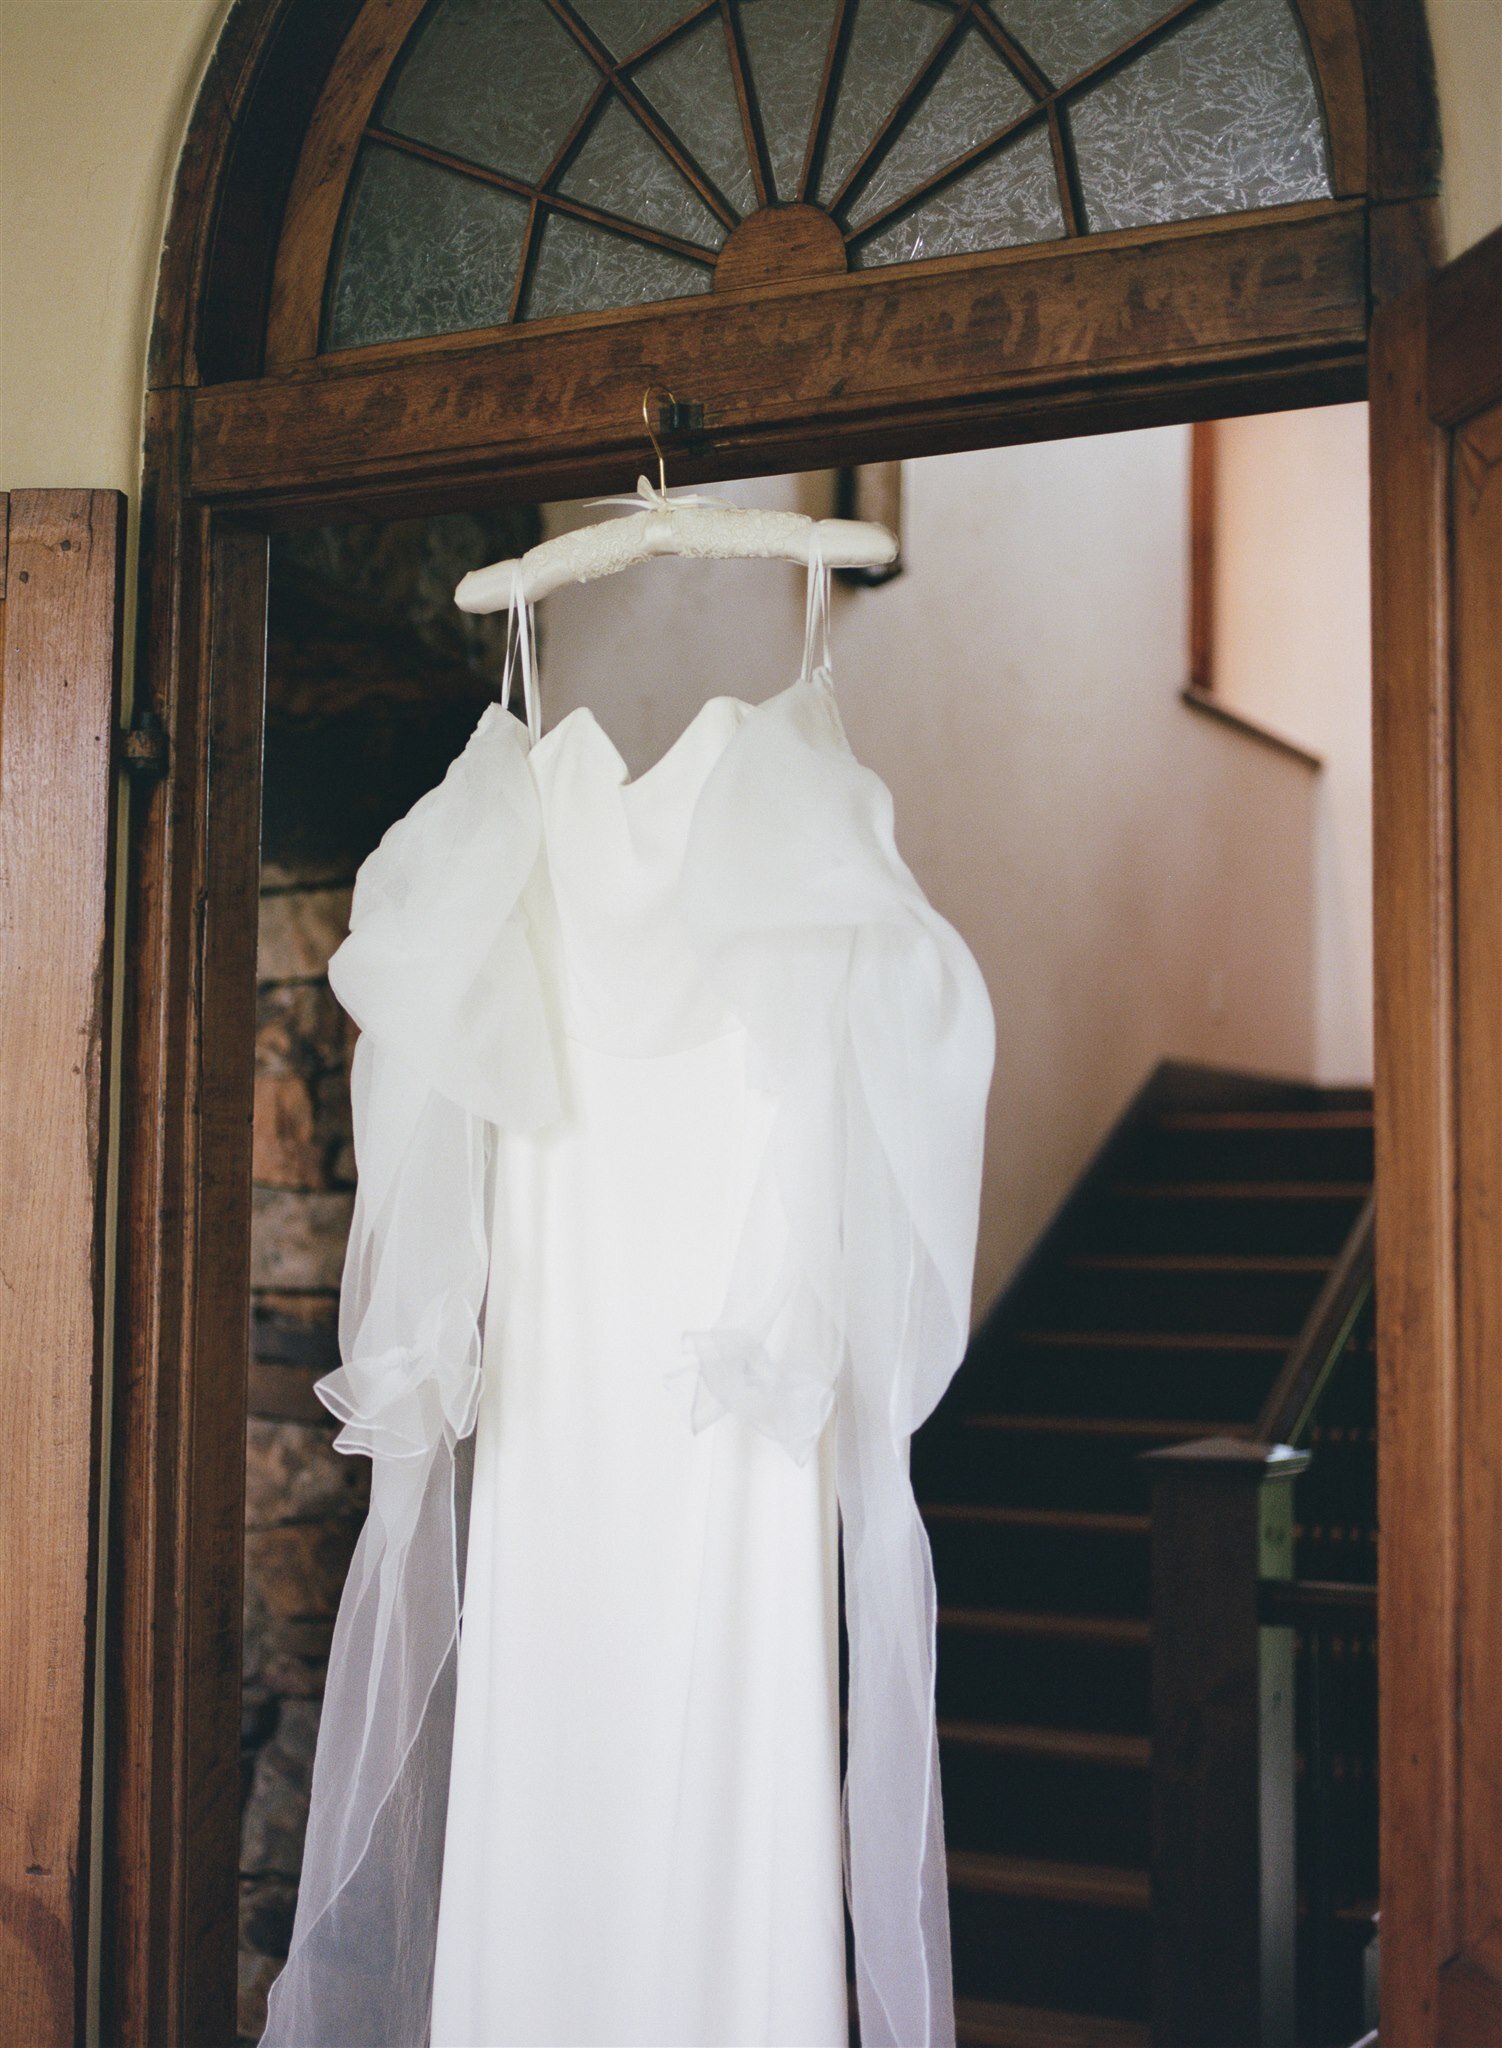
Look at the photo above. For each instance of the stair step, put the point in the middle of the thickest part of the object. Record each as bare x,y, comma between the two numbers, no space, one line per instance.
1265,1120
1046,1462
1068,1884
1238,1191
1143,1428
1107,1370
1084,1521
1172,1214
1075,1745
982,2023
1078,1671
1218,1263
1154,1340
1309,1145
1259,1293
1117,1630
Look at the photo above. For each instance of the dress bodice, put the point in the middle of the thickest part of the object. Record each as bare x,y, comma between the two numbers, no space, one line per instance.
620,969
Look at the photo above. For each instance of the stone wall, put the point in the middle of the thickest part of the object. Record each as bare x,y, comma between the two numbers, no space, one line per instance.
303,1501
374,682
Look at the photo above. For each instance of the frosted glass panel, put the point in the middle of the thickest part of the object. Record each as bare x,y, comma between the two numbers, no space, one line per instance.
888,42
582,269
620,169
626,26
1065,37
786,45
690,86
1219,117
1006,199
498,81
424,252
975,94
1216,114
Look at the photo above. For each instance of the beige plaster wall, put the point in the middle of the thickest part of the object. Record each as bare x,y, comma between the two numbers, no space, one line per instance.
1467,38
94,99
1293,649
1135,881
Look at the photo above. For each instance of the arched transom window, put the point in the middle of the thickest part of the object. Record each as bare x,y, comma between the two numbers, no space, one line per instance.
531,159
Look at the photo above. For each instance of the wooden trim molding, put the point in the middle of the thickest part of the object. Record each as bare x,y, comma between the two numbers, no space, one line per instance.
1211,706
1177,323
1203,439
61,594
899,361
1437,625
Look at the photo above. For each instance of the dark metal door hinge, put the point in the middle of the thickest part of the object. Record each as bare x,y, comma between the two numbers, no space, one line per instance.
142,748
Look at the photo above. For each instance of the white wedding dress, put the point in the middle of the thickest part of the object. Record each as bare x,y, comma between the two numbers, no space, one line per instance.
643,1838
668,1108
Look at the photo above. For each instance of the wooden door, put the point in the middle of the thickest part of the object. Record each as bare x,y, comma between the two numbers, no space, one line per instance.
60,592
1436,389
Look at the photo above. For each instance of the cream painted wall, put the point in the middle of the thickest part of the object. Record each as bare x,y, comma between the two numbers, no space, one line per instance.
1467,38
1134,880
94,99
1293,649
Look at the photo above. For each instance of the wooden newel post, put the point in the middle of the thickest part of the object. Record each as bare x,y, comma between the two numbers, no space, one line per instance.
1223,1873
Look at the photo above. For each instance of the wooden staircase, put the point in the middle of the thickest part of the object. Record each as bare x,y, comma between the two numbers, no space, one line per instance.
1157,1308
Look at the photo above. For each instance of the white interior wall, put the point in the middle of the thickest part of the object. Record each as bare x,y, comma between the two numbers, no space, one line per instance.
1293,648
1134,880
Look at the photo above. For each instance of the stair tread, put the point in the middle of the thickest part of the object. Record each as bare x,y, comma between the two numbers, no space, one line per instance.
1264,1120
980,2023
1126,1631
1154,1340
1240,1190
1201,1262
1075,1745
1094,1425
1034,1877
1091,1520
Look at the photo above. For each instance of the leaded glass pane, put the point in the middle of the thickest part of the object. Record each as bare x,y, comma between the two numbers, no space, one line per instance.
1065,37
975,94
1218,113
500,82
889,40
1005,199
690,86
583,269
425,252
626,26
620,169
786,44
1220,116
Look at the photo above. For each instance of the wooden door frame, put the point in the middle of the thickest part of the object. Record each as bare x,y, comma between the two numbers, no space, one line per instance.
1171,324
1436,368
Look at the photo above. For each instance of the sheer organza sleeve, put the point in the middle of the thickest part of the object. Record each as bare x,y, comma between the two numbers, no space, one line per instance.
872,1026
438,975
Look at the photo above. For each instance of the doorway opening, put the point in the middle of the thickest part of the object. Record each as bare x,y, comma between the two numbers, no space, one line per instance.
1167,906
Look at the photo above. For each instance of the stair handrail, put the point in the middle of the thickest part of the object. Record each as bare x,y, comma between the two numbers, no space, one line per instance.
1295,1393
1224,1605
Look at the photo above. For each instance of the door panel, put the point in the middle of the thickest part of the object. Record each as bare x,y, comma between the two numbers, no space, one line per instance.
59,709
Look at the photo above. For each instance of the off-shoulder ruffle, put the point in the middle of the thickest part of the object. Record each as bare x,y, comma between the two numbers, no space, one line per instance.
438,965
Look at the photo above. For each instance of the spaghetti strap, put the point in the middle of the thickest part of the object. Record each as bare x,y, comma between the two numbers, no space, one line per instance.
816,618
521,637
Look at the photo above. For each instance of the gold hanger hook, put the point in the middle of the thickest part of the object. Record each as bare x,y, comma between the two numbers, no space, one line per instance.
646,401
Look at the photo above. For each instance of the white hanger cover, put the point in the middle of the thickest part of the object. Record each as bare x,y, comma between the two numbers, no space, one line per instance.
709,529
